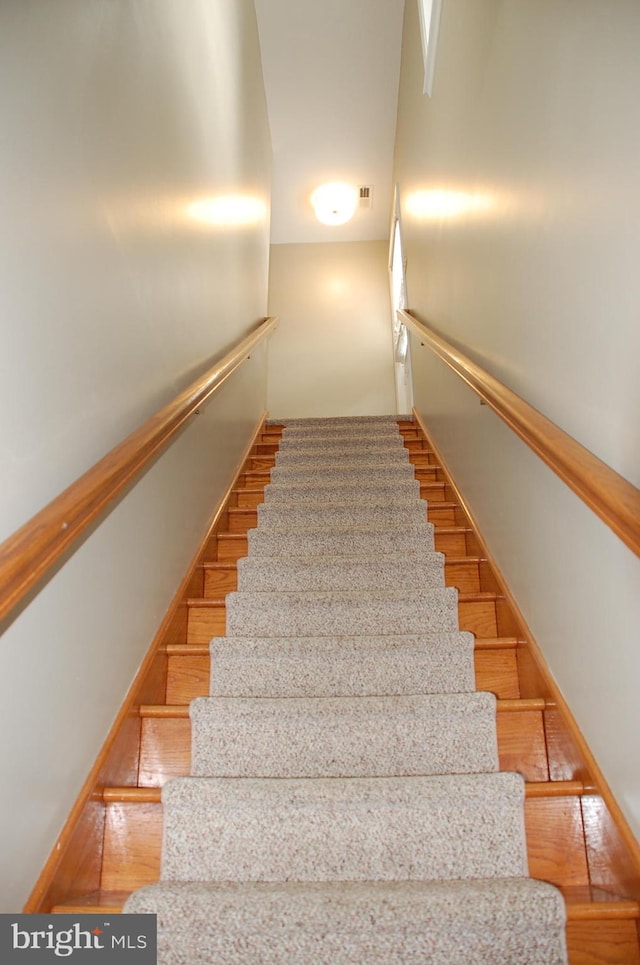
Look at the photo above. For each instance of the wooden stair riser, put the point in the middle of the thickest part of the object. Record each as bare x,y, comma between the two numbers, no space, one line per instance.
207,618
422,459
434,490
464,574
415,445
445,513
419,457
260,463
496,671
232,549
431,473
450,540
250,498
133,836
257,478
206,622
407,428
603,943
412,438
243,518
253,480
454,540
611,941
166,747
220,580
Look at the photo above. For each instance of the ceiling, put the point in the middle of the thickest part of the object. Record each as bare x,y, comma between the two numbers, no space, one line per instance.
331,70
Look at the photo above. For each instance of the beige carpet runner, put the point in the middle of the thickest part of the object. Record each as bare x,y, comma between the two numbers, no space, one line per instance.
345,803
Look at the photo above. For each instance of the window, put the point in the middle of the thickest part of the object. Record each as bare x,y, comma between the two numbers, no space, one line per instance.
397,275
429,24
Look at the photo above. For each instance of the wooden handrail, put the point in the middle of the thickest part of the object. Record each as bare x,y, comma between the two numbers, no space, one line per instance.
612,497
29,553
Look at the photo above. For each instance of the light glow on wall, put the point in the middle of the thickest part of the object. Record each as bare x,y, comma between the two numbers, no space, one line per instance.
441,203
228,210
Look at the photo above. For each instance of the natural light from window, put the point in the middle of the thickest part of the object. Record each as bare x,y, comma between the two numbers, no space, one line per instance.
429,24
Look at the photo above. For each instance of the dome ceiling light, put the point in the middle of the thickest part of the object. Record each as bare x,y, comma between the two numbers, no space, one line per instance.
335,203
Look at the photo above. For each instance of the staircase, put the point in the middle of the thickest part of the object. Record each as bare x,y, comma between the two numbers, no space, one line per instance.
353,797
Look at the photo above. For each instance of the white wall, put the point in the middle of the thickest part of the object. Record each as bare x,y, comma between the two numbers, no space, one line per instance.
334,354
524,254
116,116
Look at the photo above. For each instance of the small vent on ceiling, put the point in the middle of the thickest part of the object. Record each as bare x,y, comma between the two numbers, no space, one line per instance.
365,195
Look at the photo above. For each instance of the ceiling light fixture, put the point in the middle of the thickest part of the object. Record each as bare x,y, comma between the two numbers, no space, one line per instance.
335,203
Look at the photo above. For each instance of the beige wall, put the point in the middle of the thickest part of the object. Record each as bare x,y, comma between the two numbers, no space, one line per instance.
334,353
115,118
524,253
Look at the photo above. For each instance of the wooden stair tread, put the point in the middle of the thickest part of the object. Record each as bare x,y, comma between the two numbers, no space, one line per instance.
583,903
533,790
516,705
454,530
586,902
479,596
482,596
230,565
187,649
446,530
496,643
95,902
521,705
202,649
433,484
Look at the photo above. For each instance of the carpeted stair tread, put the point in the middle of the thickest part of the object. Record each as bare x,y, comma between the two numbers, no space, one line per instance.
380,432
343,736
344,474
346,424
362,458
292,574
340,421
375,539
342,665
344,829
371,494
297,516
341,443
512,921
339,613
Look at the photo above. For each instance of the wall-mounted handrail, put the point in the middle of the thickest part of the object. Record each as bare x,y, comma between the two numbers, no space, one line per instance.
30,552
612,497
